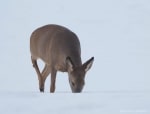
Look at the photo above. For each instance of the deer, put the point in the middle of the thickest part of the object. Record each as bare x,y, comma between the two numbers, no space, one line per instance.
59,48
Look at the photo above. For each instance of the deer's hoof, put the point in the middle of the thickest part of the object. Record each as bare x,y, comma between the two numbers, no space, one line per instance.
41,90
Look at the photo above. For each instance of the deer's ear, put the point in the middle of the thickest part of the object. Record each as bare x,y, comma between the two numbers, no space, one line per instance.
88,64
70,65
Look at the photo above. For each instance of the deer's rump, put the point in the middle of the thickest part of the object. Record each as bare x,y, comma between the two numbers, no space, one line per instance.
53,43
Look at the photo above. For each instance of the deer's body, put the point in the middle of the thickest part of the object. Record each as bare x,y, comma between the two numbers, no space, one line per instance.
60,50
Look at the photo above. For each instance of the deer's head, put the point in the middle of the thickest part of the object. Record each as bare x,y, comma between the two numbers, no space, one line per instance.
77,74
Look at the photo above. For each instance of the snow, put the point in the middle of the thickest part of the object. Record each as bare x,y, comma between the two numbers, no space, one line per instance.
115,32
66,103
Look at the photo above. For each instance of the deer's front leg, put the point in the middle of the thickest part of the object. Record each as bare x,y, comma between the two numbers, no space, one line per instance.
53,79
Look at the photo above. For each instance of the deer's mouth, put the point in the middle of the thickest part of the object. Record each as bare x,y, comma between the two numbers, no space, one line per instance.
77,91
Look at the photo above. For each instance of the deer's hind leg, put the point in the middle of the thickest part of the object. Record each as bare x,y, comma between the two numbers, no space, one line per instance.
35,65
46,71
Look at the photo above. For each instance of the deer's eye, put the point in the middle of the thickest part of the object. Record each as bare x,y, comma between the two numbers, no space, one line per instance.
73,84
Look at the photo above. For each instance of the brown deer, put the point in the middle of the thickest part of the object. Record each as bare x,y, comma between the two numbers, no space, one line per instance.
60,50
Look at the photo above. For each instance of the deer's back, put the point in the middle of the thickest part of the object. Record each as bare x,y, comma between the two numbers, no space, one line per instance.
53,43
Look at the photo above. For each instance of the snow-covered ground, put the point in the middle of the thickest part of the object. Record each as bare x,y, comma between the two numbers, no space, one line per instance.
66,103
115,32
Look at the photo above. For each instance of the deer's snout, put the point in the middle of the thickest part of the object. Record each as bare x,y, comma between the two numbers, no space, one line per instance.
77,90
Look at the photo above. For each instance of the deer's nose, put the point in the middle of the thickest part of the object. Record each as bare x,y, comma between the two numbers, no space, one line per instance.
78,90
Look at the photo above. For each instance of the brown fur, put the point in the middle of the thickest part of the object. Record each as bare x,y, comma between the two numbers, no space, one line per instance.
60,50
